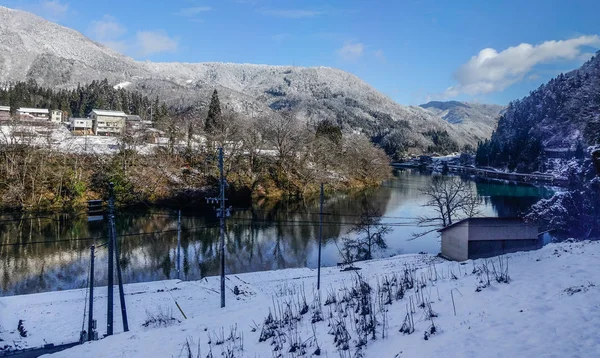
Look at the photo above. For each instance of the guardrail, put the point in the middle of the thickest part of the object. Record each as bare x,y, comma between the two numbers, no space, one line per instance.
486,173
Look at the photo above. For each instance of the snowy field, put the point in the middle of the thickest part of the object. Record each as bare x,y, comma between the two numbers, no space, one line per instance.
59,138
550,308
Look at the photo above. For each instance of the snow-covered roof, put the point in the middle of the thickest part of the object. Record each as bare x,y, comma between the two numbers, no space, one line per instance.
4,108
33,110
102,112
79,119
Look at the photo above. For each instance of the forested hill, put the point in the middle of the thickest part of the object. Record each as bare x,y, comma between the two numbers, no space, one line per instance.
80,101
562,115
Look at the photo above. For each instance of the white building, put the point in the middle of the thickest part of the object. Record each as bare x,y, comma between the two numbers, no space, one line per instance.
56,116
4,112
35,114
108,123
80,124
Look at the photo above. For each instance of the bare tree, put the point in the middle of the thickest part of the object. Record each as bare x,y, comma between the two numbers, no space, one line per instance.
451,198
253,141
370,235
171,128
286,134
364,161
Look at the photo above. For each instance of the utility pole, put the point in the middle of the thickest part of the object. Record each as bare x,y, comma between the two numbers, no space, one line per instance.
222,226
120,279
111,255
222,213
179,245
91,312
320,239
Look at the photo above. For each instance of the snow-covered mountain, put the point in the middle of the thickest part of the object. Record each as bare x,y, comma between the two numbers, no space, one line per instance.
479,119
59,57
554,120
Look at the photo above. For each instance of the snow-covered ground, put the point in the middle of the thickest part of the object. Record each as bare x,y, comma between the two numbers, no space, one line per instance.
59,138
550,308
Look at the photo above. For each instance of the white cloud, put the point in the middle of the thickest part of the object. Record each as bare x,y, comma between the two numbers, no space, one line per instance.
491,71
109,32
106,29
153,42
380,55
351,51
193,11
53,10
121,46
291,13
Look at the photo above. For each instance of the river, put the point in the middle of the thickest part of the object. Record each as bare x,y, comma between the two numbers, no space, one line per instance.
51,252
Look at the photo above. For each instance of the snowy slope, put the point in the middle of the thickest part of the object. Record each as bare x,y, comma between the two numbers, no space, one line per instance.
550,308
561,114
33,48
478,118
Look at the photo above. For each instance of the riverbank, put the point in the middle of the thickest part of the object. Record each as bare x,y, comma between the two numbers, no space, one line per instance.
41,179
550,307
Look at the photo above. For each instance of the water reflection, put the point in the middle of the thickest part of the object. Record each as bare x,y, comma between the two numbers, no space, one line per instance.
52,253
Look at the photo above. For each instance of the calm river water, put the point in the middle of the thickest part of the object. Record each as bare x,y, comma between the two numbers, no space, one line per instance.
52,252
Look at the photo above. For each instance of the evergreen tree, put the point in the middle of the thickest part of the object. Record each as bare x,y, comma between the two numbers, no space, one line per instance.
579,150
213,119
77,102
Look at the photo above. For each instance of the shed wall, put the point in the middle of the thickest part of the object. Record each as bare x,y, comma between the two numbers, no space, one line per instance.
491,230
455,242
485,248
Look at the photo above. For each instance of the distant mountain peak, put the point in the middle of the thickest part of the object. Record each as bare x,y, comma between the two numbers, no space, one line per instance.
443,105
478,119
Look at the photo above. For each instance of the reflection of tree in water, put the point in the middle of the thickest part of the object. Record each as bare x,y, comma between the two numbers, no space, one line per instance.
369,235
275,235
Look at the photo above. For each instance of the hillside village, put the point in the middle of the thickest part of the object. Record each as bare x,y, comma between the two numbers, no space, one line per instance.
99,132
99,122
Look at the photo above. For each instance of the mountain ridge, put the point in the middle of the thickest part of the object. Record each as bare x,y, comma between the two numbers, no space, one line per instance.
60,57
478,119
561,115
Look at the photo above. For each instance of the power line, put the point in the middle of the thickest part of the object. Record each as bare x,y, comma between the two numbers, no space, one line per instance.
293,213
105,237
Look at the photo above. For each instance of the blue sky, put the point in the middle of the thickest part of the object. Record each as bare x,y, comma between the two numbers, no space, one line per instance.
413,51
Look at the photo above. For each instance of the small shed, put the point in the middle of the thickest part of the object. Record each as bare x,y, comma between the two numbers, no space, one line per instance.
476,238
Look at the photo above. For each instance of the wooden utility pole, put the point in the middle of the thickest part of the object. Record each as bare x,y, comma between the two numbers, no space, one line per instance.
320,239
179,245
222,213
120,279
222,225
91,312
111,255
